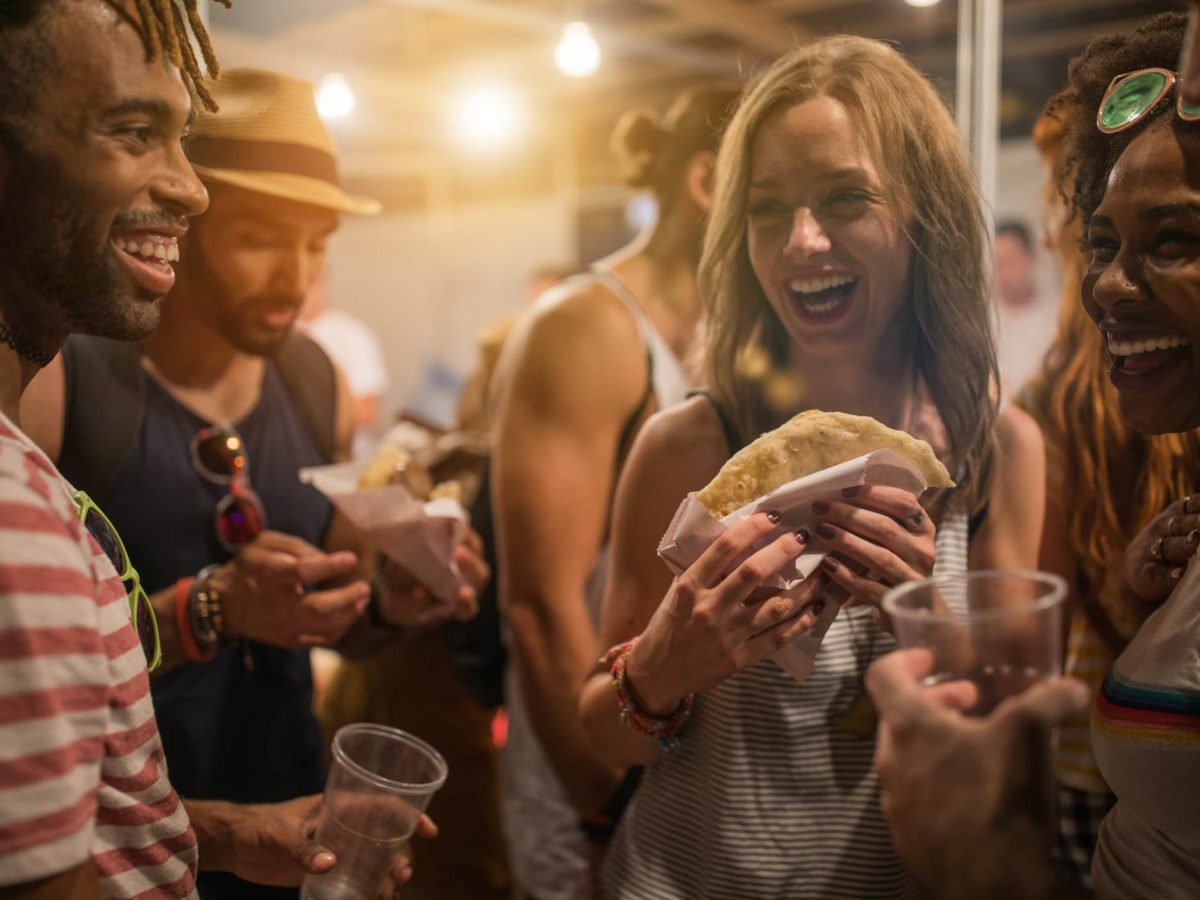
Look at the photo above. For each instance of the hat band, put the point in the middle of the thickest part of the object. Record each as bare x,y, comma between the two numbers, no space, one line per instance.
263,156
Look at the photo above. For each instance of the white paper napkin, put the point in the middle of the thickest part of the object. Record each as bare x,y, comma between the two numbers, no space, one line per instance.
694,529
420,537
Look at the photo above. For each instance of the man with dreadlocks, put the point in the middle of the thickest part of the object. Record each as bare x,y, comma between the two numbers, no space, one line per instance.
94,102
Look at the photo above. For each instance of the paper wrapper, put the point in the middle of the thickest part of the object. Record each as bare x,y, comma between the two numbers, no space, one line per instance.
420,537
694,529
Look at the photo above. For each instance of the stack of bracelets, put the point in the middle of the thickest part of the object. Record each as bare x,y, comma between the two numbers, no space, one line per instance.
664,729
199,616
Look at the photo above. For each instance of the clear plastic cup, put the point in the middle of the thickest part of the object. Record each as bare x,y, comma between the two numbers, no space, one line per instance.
1001,630
380,783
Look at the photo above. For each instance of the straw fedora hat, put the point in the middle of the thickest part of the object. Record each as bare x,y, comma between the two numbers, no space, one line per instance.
269,139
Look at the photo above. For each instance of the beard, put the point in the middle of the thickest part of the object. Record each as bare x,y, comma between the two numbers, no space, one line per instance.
238,322
60,273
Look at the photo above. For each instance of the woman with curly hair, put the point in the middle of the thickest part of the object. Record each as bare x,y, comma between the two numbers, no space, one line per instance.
846,245
1133,142
1104,483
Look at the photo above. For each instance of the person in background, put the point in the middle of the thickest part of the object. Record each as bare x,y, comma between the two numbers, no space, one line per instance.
355,350
1104,483
193,440
578,377
472,412
1024,318
858,263
94,102
962,793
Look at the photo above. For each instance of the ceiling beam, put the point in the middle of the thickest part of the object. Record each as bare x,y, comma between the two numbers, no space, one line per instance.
762,30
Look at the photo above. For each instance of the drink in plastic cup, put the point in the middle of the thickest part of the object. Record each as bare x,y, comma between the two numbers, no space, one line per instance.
380,783
1001,630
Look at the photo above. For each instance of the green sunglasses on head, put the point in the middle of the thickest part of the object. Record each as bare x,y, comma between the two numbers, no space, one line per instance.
141,613
1131,96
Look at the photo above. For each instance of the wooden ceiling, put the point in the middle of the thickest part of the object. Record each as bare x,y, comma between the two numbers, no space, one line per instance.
406,59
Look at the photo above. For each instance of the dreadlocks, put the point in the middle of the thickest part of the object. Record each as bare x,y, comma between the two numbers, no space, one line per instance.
164,30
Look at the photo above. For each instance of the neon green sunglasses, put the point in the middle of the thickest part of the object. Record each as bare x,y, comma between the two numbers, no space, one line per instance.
1131,96
141,613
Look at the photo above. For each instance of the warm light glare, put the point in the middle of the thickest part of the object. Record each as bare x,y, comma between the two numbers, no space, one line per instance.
577,53
922,2
335,100
487,116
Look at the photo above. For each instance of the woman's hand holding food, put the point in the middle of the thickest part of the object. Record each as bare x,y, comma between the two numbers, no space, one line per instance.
879,530
709,625
1158,556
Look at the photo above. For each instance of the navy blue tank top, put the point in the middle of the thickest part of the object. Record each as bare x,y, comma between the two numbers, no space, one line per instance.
230,731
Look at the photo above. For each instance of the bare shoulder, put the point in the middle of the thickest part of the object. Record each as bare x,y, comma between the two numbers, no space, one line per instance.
680,448
578,344
1018,437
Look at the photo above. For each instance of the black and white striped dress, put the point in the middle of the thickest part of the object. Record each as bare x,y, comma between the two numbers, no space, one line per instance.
767,797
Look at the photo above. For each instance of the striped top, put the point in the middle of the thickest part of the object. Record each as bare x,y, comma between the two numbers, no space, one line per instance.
772,793
81,766
1146,737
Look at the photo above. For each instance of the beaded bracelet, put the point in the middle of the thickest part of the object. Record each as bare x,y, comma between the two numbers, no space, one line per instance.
664,729
183,623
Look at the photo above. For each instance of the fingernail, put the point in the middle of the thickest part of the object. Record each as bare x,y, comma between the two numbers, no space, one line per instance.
826,531
829,564
773,517
818,607
1193,536
1176,574
850,492
324,859
803,536
820,507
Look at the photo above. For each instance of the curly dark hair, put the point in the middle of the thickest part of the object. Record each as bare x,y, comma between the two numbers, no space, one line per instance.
1091,154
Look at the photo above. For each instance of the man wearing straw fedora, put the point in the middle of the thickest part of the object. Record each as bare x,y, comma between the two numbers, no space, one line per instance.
192,442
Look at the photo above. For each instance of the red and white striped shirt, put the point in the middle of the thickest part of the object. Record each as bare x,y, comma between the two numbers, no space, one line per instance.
82,771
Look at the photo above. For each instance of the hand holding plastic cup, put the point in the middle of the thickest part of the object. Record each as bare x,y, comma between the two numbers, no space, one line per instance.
1002,631
379,785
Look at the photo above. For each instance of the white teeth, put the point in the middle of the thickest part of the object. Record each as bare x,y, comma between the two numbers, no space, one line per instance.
816,285
825,307
1129,348
167,251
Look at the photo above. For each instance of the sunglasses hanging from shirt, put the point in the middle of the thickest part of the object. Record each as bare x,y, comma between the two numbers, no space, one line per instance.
219,454
1130,97
141,613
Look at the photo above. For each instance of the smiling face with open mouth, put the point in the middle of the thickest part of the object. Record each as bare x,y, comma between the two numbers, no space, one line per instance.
96,183
828,251
1143,284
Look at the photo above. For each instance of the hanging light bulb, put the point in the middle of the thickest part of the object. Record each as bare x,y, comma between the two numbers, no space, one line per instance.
577,53
487,116
922,2
335,100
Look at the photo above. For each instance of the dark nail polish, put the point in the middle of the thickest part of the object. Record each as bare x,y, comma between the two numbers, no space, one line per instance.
773,517
803,536
818,608
820,507
829,564
850,492
826,531
1193,536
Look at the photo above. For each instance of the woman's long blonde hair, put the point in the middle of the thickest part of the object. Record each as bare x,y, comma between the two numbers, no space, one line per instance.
1108,479
928,181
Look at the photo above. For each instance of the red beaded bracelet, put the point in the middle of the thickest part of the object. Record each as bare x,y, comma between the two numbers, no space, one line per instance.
664,729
